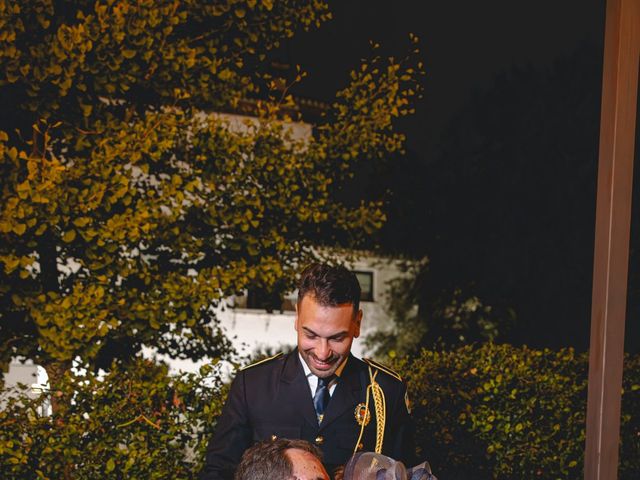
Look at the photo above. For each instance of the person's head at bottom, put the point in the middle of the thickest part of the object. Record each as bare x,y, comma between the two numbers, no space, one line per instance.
281,459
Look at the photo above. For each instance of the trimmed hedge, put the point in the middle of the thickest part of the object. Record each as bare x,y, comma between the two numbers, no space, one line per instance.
486,412
497,411
135,424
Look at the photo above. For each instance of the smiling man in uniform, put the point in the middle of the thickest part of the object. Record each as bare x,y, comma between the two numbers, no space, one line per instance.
319,392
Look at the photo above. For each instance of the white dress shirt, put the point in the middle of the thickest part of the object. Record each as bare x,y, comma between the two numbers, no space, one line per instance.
313,380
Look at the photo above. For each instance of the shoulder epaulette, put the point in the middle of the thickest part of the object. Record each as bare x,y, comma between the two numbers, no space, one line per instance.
260,362
384,368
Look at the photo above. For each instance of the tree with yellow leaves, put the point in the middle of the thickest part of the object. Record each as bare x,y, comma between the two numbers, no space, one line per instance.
126,213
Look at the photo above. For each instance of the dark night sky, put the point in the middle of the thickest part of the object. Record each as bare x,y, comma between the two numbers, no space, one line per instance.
464,44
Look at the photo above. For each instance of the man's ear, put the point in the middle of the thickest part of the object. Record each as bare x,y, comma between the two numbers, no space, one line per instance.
358,321
295,322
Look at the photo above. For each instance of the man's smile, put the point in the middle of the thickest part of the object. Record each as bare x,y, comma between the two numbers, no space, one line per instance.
323,364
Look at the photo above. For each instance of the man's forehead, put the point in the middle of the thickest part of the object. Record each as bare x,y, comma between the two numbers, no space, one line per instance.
297,452
306,466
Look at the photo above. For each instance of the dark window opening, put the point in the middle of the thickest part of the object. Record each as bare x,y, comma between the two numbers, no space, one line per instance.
261,299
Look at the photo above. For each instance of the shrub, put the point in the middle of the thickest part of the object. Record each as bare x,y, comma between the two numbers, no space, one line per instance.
490,411
138,423
498,411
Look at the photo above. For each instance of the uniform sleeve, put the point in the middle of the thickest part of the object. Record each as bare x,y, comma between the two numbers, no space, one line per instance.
231,438
402,434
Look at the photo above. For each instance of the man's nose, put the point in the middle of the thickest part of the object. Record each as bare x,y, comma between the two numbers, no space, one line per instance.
323,351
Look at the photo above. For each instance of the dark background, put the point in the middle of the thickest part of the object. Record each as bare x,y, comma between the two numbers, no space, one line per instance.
498,183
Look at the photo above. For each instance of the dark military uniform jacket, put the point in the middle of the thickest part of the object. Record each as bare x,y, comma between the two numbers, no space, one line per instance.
272,399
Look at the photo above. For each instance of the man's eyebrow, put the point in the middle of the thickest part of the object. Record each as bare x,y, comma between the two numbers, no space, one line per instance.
309,331
332,337
338,335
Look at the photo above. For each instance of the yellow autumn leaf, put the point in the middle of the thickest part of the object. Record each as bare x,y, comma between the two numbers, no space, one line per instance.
69,236
10,264
81,221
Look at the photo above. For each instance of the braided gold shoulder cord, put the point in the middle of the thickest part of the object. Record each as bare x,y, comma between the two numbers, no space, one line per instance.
380,406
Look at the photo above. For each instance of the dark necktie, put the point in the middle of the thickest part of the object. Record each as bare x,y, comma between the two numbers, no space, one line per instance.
321,398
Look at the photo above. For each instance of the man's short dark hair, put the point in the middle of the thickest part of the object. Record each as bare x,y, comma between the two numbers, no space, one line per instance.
330,286
268,460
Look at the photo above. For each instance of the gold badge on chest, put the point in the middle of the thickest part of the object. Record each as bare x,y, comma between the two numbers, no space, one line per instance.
362,414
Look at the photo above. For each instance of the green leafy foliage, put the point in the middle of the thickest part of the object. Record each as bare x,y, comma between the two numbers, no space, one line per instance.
486,412
502,412
138,423
128,210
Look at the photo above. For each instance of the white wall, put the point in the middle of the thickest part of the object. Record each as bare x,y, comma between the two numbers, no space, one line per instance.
33,377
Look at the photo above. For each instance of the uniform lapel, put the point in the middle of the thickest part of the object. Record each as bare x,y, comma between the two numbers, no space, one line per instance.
345,397
295,389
